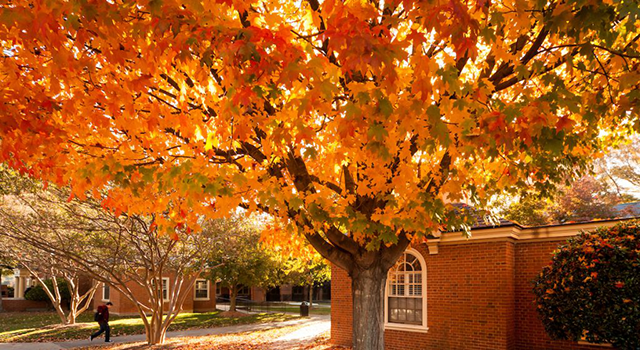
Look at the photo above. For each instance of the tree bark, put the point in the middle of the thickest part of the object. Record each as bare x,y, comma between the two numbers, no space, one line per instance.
233,294
157,333
1,307
368,314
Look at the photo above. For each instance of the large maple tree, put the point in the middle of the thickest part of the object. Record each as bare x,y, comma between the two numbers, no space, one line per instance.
355,123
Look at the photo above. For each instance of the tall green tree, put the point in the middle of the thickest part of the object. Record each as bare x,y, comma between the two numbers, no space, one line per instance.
308,270
240,257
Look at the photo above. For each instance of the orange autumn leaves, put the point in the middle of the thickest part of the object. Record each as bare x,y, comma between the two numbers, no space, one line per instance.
353,115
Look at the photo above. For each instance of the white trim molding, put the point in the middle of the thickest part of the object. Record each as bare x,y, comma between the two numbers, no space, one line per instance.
195,290
515,233
105,287
409,327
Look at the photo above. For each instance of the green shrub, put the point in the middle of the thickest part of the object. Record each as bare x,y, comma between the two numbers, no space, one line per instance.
591,289
37,292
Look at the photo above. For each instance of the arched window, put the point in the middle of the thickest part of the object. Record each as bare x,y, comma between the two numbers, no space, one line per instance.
405,295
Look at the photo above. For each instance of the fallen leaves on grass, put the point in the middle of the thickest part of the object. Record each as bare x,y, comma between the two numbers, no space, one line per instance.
45,327
255,340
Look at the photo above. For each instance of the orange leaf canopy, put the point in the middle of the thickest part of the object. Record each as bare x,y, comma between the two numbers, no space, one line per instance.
359,117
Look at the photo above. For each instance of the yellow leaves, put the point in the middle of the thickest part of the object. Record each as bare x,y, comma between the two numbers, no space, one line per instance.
312,19
212,142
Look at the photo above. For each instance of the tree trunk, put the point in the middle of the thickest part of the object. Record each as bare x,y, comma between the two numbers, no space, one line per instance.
233,294
368,314
1,307
310,295
71,318
157,333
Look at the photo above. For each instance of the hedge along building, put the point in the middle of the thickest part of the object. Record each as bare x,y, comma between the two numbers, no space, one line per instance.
457,293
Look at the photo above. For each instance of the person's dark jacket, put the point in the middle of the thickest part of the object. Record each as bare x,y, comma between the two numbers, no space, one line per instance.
103,310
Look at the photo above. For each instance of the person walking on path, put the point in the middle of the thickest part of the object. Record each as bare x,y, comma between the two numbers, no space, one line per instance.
102,317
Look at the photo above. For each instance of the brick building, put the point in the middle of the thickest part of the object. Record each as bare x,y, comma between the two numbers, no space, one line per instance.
201,298
458,293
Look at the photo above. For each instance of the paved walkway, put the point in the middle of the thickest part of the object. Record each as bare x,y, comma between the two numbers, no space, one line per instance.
313,327
311,330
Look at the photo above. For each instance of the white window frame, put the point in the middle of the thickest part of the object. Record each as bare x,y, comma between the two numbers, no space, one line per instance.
162,290
409,327
168,286
104,287
195,290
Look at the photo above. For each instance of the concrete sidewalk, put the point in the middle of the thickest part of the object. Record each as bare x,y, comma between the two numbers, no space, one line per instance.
313,327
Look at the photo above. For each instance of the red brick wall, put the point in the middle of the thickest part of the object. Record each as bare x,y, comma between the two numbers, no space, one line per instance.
341,307
478,297
258,294
123,306
205,305
530,258
20,305
470,300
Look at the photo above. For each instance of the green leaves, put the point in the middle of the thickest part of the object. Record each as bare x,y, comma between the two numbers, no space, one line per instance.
377,131
592,287
384,107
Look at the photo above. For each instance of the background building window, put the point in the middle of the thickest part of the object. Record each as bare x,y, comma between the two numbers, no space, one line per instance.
106,292
405,300
202,290
165,288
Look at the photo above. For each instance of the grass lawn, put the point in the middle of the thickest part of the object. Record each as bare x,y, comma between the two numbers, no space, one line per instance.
44,326
296,309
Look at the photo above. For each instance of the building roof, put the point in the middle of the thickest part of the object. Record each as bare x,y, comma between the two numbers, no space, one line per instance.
626,210
481,220
623,211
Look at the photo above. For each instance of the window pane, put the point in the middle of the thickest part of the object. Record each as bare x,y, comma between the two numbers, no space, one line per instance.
410,316
393,303
165,288
402,303
393,315
405,302
402,315
418,290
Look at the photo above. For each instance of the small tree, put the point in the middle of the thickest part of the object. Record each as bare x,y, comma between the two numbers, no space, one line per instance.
59,280
241,258
591,288
584,199
529,210
308,270
112,248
